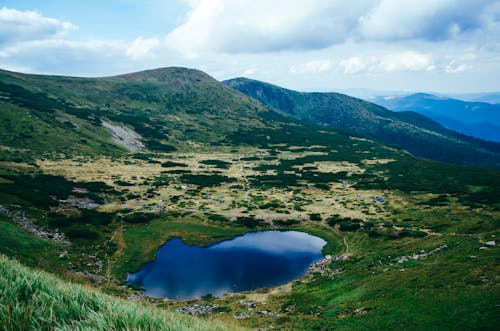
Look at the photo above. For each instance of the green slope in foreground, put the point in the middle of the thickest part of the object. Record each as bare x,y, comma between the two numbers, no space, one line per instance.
33,300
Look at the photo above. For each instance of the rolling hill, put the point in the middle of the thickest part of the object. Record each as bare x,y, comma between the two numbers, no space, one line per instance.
478,119
418,134
167,108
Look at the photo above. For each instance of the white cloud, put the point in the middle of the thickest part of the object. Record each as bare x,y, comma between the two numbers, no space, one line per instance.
312,67
252,26
142,47
248,72
65,56
18,26
239,26
355,64
396,19
405,61
454,68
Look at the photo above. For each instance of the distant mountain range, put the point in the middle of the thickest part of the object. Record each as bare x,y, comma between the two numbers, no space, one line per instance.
488,97
478,119
410,130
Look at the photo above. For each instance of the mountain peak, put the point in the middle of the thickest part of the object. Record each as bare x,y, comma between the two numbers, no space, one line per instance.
167,73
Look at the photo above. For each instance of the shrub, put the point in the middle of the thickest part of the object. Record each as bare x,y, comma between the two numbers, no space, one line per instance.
248,221
217,163
315,217
205,180
217,218
349,226
138,218
286,222
170,164
82,233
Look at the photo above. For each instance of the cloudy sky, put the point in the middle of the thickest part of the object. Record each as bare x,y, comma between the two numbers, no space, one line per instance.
325,45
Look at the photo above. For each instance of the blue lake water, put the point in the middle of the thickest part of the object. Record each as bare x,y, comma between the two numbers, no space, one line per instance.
254,260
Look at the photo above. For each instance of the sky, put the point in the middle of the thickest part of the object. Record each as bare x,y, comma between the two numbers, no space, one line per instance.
444,46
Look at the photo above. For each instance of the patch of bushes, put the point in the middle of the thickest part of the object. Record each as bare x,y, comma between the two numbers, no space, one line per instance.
249,158
337,219
412,233
161,181
217,163
441,200
349,226
271,205
286,222
315,217
160,147
123,183
322,186
171,164
87,216
205,180
135,218
278,180
248,221
176,171
82,233
218,218
39,189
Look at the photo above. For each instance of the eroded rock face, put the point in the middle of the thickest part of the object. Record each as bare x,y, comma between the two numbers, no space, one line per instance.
124,137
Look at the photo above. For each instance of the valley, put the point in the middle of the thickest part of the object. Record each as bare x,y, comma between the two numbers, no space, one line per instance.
411,241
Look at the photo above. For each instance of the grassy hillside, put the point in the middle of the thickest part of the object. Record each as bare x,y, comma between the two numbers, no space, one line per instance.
413,132
34,300
171,108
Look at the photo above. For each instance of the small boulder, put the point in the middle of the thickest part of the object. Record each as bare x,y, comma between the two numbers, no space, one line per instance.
491,243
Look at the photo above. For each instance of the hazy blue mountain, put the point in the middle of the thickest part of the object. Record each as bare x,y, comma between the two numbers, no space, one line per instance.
478,119
488,97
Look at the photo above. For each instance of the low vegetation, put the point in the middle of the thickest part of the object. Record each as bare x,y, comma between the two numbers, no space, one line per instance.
34,300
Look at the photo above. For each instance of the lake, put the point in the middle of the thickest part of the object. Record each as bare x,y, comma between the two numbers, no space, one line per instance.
254,260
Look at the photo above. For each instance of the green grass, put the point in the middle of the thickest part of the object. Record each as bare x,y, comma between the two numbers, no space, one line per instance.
334,244
142,241
32,250
34,300
445,291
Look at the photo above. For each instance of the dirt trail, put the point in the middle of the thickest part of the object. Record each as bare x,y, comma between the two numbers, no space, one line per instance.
346,244
117,237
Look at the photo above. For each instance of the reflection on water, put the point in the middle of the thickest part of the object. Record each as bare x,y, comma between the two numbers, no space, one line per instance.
254,260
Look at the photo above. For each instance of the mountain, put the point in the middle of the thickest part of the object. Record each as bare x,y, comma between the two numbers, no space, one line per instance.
409,130
487,97
166,109
96,174
478,119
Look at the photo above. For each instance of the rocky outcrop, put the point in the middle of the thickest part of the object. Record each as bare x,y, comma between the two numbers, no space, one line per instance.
29,225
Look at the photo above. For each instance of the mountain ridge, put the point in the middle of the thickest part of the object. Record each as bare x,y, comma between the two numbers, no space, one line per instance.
478,119
410,131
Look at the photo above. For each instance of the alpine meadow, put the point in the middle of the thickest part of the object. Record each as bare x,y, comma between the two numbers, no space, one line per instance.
188,199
